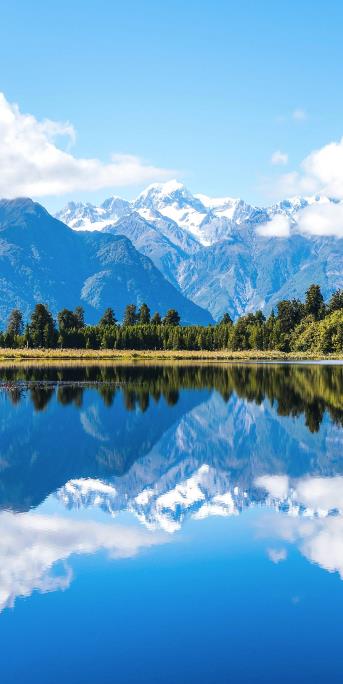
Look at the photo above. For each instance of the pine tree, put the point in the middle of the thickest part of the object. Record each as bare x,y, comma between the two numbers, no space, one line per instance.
42,327
156,319
130,315
66,320
108,318
336,301
79,313
15,325
144,314
226,320
172,317
314,302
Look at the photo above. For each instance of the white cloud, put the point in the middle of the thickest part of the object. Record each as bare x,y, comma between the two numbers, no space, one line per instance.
33,164
31,545
321,219
277,555
299,115
321,172
278,226
319,178
279,158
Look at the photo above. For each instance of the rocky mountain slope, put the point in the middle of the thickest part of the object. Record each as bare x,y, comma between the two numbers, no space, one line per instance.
213,249
43,260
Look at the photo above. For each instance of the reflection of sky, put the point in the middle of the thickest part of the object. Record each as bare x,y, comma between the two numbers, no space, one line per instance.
212,556
306,514
223,596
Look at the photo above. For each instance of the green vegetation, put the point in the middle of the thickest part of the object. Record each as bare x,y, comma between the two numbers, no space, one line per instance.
310,327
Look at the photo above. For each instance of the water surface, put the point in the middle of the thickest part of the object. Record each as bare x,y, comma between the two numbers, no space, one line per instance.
171,523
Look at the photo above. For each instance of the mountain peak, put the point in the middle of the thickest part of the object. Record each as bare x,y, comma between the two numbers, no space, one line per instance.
163,190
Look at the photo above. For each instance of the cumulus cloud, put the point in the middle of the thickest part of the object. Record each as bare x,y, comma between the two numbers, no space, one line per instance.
322,219
321,172
34,164
31,545
279,158
278,226
320,180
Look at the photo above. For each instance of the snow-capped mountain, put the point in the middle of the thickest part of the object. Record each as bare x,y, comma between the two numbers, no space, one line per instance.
81,216
218,251
44,259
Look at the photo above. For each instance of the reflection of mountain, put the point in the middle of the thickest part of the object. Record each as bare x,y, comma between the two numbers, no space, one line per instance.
139,429
41,451
166,444
210,461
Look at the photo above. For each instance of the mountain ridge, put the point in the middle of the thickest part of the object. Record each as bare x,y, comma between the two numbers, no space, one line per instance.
44,260
217,251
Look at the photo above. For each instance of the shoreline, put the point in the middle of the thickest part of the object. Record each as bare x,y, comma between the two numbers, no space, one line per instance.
22,355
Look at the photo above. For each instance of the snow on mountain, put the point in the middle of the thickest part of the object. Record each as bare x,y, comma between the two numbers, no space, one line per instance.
221,252
87,216
174,201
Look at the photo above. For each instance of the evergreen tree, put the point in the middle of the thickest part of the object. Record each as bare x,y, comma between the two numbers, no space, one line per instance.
336,301
15,325
79,313
42,327
172,317
144,314
108,318
289,314
226,320
66,320
314,302
156,319
130,315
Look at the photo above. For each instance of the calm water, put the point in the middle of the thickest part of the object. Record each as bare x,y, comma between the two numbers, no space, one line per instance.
171,524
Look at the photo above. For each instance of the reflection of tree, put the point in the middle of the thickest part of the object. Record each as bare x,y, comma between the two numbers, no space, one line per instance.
295,389
70,394
40,396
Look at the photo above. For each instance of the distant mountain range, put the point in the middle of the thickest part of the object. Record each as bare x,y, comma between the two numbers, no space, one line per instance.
168,248
211,249
43,260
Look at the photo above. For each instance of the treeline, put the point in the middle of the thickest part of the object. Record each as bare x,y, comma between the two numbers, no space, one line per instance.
312,325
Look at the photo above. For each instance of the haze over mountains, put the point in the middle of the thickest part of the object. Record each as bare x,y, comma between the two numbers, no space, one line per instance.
221,253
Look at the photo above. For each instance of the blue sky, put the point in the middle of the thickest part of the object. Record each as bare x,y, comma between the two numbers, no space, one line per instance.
209,91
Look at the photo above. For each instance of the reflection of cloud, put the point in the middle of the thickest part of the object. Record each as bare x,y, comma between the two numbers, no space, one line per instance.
276,485
277,555
314,495
315,517
91,423
30,545
320,540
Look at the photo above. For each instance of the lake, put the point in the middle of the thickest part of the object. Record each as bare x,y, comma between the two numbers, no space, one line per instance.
171,523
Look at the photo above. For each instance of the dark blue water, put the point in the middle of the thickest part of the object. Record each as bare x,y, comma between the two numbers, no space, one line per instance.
171,524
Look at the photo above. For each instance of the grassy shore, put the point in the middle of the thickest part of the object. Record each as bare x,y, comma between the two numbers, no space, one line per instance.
19,355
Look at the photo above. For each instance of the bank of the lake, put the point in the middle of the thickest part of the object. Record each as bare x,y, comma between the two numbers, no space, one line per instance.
19,355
